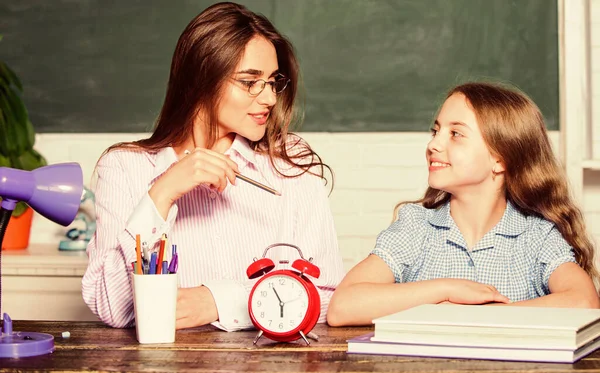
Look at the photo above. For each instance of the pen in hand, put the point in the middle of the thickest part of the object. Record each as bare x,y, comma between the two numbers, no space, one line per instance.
251,181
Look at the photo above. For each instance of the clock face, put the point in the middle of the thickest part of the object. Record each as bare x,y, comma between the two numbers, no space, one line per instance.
279,303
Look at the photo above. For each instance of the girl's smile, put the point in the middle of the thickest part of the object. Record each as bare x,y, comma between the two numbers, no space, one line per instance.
436,165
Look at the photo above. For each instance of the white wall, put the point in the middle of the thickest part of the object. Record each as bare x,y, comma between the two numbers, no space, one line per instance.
373,171
591,191
595,71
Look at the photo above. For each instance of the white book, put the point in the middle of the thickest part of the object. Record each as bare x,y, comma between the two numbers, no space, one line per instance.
491,326
364,345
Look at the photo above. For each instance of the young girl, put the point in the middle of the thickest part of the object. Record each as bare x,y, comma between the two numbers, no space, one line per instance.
227,110
496,225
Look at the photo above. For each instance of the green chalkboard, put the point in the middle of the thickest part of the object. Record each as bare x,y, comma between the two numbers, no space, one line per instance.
367,65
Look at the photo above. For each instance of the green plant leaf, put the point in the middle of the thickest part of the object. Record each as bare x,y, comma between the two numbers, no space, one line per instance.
14,78
11,126
15,162
3,133
7,73
41,160
20,121
30,134
9,78
17,135
4,76
20,208
4,82
17,106
4,161
30,160
15,114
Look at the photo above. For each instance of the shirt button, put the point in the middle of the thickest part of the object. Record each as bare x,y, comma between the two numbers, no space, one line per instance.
213,195
471,264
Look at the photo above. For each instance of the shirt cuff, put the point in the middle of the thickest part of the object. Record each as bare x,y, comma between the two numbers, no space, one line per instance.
389,260
147,221
551,267
231,299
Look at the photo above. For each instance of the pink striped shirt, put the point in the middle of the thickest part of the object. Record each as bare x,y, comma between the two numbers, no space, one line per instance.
217,234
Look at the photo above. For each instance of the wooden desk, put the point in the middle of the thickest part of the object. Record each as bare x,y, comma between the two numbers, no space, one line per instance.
95,347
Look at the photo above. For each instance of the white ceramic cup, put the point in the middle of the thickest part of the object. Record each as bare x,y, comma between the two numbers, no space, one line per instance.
155,303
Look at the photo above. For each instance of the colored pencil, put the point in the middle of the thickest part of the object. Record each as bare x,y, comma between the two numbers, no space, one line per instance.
138,253
161,254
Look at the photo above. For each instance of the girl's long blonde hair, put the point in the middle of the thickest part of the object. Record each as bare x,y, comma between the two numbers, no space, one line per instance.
513,129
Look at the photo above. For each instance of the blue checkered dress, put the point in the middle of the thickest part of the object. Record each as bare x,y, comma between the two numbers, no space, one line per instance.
517,256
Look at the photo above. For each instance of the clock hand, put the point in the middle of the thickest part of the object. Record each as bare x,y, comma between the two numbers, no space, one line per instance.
292,300
280,303
277,295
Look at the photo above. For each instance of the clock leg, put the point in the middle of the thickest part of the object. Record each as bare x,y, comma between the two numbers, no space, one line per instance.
260,333
304,337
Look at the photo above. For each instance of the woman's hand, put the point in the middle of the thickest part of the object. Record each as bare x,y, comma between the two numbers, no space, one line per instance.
471,292
202,166
195,307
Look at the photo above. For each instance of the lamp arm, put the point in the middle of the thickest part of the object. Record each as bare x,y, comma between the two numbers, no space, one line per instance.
54,192
4,218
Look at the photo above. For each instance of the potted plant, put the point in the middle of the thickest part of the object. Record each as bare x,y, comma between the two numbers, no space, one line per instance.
16,151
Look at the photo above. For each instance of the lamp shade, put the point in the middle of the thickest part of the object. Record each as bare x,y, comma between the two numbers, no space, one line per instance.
54,191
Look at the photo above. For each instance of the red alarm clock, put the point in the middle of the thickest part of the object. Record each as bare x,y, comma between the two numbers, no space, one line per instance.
284,305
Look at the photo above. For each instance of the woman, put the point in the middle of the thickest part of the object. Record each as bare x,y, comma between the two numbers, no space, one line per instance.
227,110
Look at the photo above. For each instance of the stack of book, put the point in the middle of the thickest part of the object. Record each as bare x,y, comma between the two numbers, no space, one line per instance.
484,332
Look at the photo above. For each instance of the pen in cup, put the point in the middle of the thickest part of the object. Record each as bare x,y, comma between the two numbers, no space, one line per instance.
152,268
145,257
252,181
138,252
161,253
174,264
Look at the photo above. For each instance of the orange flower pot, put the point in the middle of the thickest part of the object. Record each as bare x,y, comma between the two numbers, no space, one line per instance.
17,232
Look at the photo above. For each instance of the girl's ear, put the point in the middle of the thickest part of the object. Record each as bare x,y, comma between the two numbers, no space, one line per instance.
498,166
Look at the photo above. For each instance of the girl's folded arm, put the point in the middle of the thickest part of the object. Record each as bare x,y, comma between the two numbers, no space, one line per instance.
369,291
570,286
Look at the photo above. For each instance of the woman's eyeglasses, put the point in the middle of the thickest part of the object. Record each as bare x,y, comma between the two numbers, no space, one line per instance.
255,87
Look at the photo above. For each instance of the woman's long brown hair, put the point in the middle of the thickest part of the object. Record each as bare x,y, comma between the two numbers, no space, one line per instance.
513,129
206,55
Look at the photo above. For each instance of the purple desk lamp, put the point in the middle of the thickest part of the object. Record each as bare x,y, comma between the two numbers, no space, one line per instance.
55,192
